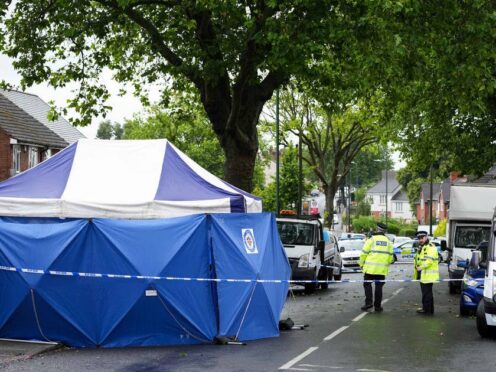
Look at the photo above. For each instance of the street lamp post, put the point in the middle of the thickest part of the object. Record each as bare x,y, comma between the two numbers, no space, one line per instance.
277,153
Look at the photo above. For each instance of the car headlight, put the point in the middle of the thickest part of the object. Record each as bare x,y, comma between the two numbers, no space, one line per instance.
303,261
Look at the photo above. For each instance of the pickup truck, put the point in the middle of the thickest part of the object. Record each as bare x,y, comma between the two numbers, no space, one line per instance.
313,253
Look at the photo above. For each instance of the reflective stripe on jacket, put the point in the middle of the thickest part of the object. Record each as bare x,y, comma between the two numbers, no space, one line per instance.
427,258
377,255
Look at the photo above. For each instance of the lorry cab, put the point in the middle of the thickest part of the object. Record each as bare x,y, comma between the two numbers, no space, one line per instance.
312,252
486,309
469,223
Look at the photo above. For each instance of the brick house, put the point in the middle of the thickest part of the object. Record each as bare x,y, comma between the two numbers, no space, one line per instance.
26,135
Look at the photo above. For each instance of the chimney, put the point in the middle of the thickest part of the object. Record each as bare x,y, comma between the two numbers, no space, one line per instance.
453,176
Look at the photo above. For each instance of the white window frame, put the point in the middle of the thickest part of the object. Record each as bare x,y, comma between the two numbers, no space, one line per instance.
399,207
382,199
16,158
33,156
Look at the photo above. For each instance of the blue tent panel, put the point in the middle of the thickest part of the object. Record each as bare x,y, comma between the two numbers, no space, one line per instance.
241,244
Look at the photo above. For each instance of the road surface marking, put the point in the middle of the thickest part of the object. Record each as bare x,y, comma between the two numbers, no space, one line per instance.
335,333
318,366
398,291
299,369
359,317
293,361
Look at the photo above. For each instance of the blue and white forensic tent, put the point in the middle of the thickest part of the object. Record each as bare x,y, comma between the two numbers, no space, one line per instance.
99,247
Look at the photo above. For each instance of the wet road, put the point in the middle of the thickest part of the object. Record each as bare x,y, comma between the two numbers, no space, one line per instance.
339,337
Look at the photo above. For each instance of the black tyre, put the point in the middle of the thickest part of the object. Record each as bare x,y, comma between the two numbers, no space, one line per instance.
324,276
463,310
311,287
485,331
338,276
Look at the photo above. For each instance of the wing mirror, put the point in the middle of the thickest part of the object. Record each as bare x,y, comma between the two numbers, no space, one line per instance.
444,246
341,249
320,247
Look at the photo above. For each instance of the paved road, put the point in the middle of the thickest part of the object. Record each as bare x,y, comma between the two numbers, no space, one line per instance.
339,337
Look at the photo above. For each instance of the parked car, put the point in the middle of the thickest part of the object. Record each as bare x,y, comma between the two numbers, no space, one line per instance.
442,254
350,246
404,252
473,282
401,239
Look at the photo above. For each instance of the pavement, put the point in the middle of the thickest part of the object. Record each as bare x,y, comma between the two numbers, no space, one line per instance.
12,350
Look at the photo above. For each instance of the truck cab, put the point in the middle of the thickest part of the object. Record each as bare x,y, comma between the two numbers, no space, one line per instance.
469,223
486,309
313,253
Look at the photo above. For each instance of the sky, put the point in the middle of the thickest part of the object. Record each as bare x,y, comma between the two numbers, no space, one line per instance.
122,107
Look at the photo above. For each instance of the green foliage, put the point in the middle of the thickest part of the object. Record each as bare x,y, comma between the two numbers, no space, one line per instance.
397,227
441,228
107,130
186,126
268,194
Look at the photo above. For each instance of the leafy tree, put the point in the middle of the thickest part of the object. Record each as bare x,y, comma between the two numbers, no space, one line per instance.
233,53
332,141
107,130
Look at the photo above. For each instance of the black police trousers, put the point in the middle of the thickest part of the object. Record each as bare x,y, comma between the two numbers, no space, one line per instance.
427,298
377,299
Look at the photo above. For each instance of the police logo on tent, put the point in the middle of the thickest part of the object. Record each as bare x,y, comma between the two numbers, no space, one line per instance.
249,241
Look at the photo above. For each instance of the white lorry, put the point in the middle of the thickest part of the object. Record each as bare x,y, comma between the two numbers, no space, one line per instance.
486,309
469,222
312,252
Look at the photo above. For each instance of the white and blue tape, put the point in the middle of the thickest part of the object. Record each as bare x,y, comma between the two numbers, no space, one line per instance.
217,280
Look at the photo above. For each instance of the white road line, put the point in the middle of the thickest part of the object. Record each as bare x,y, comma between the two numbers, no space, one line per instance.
293,361
319,366
299,369
398,291
360,316
335,333
385,301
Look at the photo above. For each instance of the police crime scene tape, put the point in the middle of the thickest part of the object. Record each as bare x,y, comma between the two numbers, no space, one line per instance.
217,280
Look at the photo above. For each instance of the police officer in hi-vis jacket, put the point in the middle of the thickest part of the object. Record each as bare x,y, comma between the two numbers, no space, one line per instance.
426,268
377,255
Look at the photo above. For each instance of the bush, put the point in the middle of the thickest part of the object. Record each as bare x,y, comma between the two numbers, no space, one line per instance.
440,229
407,231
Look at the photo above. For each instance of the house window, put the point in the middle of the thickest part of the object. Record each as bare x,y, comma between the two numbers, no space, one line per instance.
33,157
382,199
399,207
16,159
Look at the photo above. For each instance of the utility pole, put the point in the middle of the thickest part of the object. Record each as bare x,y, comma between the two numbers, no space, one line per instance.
278,206
349,203
300,175
430,204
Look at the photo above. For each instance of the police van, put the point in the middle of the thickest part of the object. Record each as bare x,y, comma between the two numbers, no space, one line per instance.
313,253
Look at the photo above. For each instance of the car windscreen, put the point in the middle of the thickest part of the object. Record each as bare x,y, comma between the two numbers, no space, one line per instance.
295,233
470,236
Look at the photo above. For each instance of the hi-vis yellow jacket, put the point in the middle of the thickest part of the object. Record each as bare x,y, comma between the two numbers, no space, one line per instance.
428,260
377,255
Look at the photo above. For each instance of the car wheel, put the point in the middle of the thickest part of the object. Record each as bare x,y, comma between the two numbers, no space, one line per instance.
485,331
463,310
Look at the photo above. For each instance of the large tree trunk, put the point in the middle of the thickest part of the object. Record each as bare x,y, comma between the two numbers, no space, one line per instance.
240,163
330,192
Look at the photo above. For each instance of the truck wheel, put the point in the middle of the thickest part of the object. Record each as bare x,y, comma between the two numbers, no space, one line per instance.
338,276
485,331
324,276
311,287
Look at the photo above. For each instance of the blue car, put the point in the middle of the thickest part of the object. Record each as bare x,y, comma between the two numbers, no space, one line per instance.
473,284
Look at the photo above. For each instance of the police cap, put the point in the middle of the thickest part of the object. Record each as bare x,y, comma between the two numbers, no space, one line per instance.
420,234
381,226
